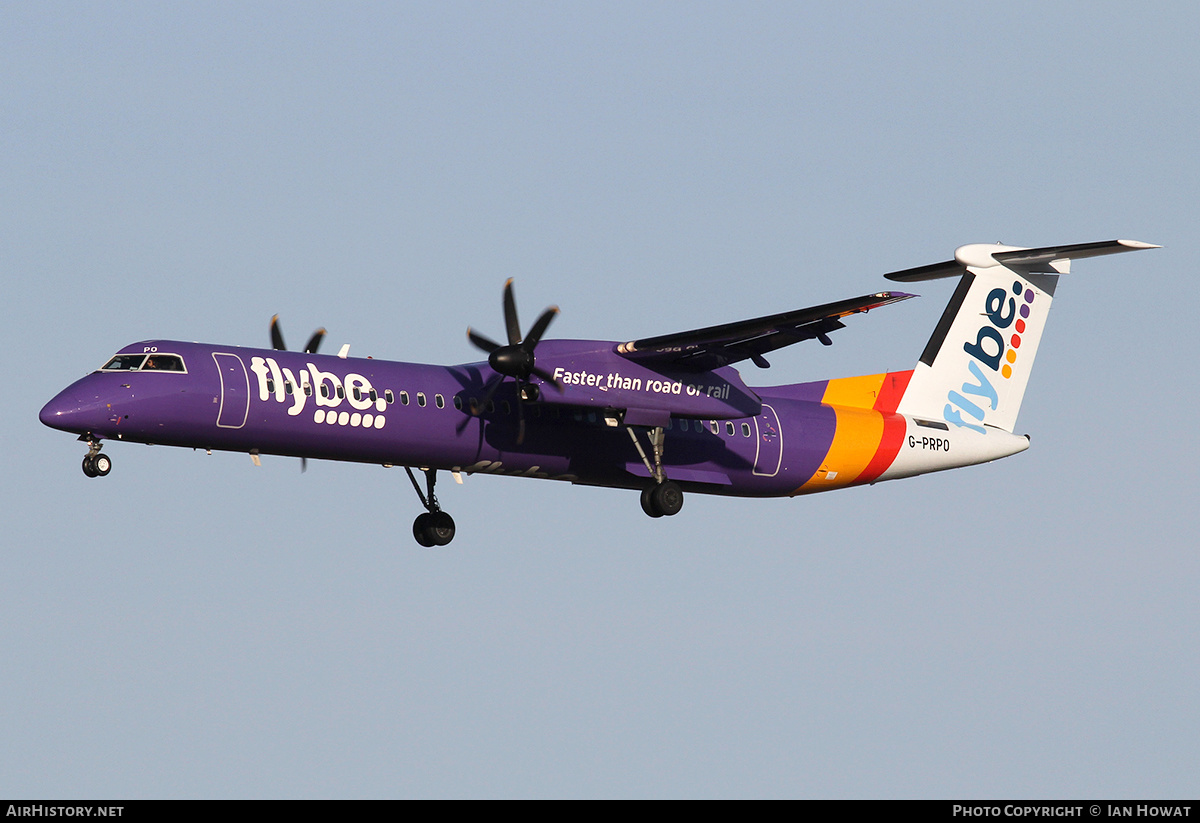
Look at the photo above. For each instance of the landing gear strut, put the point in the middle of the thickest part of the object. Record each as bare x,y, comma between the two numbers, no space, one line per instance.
95,464
662,497
433,527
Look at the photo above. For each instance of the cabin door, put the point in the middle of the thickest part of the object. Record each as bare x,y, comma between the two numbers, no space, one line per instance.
234,403
769,456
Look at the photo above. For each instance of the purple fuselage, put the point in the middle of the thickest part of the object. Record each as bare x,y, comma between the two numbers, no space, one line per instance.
721,436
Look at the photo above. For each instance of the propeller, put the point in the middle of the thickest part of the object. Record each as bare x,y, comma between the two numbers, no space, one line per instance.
517,359
310,347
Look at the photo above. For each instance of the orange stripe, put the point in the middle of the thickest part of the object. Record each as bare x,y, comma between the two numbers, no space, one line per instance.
855,442
854,392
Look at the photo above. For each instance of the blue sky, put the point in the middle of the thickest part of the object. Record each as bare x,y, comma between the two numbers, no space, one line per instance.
193,626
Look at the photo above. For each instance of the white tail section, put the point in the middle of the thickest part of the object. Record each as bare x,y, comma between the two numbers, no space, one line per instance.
975,368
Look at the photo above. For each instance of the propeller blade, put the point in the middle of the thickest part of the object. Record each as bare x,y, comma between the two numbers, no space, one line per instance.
487,398
481,342
314,342
276,334
539,328
548,377
303,465
510,315
520,418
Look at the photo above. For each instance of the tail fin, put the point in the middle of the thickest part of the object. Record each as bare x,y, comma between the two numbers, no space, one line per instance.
976,365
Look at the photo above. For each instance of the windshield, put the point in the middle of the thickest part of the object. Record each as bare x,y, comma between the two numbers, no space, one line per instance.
142,362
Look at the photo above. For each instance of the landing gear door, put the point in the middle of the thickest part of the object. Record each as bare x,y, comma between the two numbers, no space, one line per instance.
234,402
769,456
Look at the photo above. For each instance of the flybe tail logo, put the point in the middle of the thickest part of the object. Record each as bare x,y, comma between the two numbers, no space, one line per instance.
995,349
327,390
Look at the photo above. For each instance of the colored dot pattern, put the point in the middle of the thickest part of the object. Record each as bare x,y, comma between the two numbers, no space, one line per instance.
1015,340
366,421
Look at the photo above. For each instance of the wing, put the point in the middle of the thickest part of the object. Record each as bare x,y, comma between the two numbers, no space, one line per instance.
716,346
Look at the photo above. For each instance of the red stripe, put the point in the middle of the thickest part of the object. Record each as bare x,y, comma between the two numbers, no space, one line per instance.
889,444
894,384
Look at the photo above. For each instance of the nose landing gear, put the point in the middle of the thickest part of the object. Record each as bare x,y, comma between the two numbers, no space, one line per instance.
95,464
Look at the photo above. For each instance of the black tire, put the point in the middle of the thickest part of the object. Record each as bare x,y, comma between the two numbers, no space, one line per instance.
440,530
648,505
420,530
101,465
667,498
88,468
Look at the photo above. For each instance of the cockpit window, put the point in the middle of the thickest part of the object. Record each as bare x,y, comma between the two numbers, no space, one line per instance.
143,362
163,362
124,362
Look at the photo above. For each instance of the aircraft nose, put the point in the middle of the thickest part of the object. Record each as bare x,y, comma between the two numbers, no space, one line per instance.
70,411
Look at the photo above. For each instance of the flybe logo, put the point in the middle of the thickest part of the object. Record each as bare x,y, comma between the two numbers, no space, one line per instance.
991,351
327,390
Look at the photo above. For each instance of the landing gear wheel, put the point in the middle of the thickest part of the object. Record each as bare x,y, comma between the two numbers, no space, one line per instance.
421,528
89,467
648,502
433,529
667,497
441,528
101,465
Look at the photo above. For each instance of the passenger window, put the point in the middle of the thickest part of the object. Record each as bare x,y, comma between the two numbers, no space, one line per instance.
341,393
729,428
439,401
458,402
421,399
745,430
270,385
357,393
307,390
325,391
403,398
388,396
287,386
374,395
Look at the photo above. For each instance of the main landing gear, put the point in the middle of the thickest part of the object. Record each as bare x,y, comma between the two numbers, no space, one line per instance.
433,527
95,464
662,497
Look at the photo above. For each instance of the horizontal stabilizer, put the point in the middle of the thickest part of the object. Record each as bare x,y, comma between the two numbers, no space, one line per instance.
717,346
1050,259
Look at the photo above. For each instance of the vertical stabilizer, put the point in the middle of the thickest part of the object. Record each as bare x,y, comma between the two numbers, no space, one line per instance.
975,368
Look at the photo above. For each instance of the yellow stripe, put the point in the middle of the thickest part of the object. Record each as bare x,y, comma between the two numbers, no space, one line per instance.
855,441
854,392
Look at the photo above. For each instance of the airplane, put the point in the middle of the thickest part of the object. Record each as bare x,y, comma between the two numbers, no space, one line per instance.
661,415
